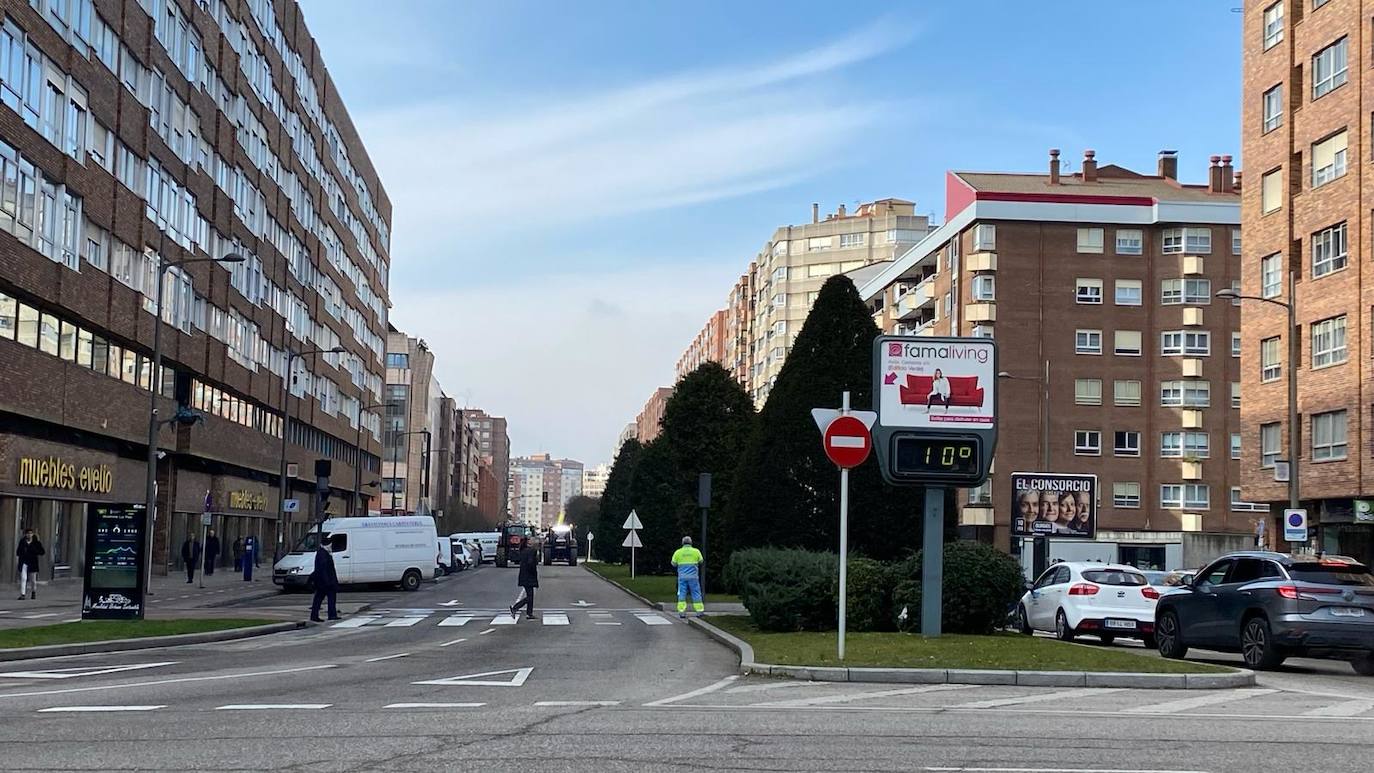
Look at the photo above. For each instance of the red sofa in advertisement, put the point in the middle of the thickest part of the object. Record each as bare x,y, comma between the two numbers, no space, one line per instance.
963,391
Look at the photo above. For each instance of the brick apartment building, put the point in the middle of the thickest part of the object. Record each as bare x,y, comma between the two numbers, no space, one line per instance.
649,422
1104,281
1306,213
138,132
708,346
493,449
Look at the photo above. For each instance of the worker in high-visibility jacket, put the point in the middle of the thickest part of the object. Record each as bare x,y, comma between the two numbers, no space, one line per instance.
687,560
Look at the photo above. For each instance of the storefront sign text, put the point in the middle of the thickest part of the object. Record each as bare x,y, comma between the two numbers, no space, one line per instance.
52,472
247,500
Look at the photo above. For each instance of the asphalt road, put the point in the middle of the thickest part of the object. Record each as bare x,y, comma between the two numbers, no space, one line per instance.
599,683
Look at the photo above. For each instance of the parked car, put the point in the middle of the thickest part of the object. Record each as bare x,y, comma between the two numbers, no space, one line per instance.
1104,600
466,555
1271,606
487,540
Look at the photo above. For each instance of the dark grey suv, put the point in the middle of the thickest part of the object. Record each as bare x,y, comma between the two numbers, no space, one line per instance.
1269,606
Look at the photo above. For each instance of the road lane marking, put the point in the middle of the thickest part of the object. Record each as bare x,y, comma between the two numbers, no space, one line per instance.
157,682
828,699
404,622
355,622
40,616
774,686
434,705
1345,709
565,704
388,657
484,633
608,623
555,619
451,643
1048,696
1039,711
503,620
94,709
455,620
1186,704
517,679
695,693
68,673
1057,770
653,619
272,706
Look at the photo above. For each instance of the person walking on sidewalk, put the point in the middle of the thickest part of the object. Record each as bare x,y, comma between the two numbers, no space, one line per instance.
688,560
326,582
28,552
528,580
211,552
190,555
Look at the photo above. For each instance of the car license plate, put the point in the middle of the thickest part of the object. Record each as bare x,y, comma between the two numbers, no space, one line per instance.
1121,624
1347,612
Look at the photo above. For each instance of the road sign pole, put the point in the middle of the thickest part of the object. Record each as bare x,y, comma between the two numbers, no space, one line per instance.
844,538
632,562
933,561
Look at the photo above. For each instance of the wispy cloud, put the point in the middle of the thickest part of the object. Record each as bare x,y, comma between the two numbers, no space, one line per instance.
551,159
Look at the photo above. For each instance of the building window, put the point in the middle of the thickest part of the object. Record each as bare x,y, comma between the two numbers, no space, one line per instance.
984,237
1089,291
1235,394
1172,243
1235,241
397,360
1271,276
1197,292
1329,68
1185,342
1240,505
1189,394
1126,494
1270,439
851,240
984,288
1270,367
1128,292
1273,25
1235,445
1087,391
1328,342
1273,108
1328,436
1130,241
1176,445
1127,343
1235,344
1328,159
1271,191
1126,393
1087,442
1171,496
1193,241
1329,251
982,331
1090,240
1087,342
1197,496
1127,443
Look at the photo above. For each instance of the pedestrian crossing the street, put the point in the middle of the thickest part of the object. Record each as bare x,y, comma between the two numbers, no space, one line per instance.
484,618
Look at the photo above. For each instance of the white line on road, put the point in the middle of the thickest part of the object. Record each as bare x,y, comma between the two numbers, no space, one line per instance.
608,623
404,622
93,709
503,620
484,633
773,686
157,682
355,622
1187,704
1346,709
434,705
563,704
1047,696
451,643
40,616
272,706
654,620
1057,770
695,693
388,657
75,671
455,620
828,699
555,619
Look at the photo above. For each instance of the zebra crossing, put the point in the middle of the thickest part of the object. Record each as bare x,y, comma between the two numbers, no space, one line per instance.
486,618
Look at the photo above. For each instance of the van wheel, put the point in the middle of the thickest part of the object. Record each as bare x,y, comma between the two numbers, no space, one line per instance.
410,581
500,561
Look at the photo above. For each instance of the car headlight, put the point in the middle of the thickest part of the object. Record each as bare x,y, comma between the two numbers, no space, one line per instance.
296,570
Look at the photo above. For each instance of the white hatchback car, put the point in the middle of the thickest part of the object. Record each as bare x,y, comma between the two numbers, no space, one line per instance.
1104,600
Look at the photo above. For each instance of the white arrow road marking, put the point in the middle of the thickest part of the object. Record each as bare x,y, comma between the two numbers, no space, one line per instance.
581,603
434,705
93,709
157,682
68,673
561,704
271,706
388,657
453,620
555,619
847,441
451,603
518,677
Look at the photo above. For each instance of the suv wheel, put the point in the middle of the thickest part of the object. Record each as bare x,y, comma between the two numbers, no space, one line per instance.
1061,627
1169,636
1364,666
1257,644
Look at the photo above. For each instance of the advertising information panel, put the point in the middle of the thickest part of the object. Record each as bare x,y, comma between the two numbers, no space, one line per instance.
115,573
1048,504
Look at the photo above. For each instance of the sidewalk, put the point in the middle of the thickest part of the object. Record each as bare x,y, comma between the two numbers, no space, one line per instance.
60,601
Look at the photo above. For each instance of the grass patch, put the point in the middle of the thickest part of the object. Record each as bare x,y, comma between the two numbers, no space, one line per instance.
654,587
999,651
107,630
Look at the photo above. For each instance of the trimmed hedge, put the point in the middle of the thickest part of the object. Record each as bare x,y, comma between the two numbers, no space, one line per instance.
869,589
785,590
980,584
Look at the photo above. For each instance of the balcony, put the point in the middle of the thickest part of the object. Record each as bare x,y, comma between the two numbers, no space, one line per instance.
915,299
1192,317
981,312
981,261
976,515
1193,265
1192,418
1192,367
1192,470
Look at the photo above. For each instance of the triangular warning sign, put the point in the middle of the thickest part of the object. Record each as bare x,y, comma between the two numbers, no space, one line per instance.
632,540
518,677
633,521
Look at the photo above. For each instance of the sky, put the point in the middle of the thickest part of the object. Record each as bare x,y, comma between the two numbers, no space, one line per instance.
576,186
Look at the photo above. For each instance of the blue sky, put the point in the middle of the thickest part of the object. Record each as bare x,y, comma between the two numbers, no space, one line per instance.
576,185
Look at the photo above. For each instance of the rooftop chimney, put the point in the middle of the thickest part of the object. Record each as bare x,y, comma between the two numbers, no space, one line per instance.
1054,166
1236,186
1228,175
1089,166
815,212
840,212
1168,164
1214,174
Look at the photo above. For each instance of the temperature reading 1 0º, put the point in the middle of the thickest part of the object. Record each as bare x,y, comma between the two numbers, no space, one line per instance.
948,454
936,456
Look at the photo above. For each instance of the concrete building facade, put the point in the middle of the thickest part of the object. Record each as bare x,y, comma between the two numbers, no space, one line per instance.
649,422
541,488
418,439
594,480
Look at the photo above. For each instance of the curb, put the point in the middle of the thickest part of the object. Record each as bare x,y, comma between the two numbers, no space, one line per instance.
651,604
1240,678
149,642
241,599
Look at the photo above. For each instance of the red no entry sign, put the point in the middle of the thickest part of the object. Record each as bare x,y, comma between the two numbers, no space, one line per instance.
847,442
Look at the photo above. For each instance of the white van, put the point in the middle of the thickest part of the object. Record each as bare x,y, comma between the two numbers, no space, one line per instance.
486,539
392,549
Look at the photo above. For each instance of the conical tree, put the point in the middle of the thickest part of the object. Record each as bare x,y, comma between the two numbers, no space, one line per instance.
656,494
615,503
788,491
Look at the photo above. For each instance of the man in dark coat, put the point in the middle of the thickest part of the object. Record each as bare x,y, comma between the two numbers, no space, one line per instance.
528,580
28,552
326,582
190,555
238,554
211,552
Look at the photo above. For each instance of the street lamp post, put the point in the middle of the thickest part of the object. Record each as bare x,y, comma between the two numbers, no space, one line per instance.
1294,353
155,389
285,427
358,463
1040,556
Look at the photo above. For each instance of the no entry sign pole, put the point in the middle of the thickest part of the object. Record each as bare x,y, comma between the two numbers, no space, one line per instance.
847,442
844,538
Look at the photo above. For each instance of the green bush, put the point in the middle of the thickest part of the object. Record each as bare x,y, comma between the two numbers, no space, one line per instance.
870,595
980,584
785,590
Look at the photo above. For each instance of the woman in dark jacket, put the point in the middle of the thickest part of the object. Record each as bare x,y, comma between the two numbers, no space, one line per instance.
528,580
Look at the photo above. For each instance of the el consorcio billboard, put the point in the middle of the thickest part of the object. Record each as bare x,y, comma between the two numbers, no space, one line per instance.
1047,504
